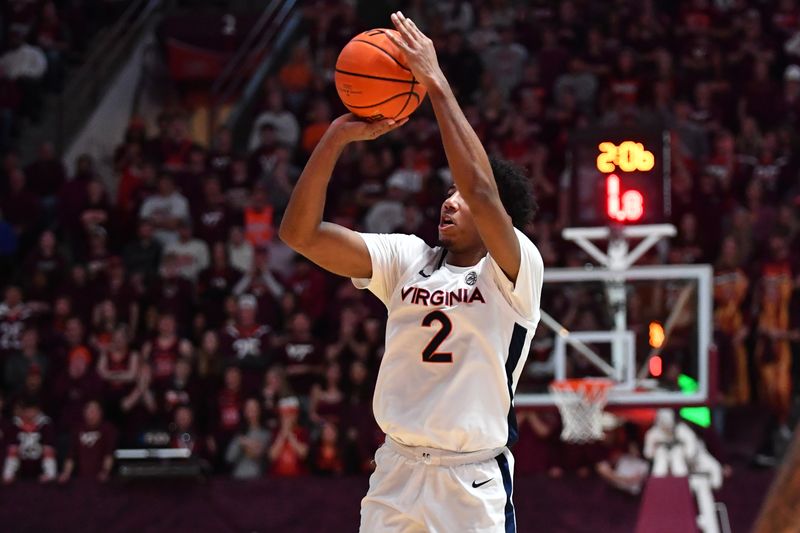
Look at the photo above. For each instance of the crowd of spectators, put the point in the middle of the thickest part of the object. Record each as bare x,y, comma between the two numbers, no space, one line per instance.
170,307
39,39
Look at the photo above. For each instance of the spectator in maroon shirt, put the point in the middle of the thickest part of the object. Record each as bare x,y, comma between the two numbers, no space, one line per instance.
163,351
308,283
214,285
265,285
238,184
181,390
221,155
190,179
96,212
79,291
73,194
105,321
30,445
301,355
226,409
327,454
172,293
246,344
47,259
73,390
118,367
276,387
327,398
46,175
179,145
91,447
184,433
139,406
212,217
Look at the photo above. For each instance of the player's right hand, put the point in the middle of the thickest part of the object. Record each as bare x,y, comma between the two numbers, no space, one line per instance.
349,128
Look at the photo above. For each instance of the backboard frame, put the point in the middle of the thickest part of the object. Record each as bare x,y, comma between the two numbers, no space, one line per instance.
703,274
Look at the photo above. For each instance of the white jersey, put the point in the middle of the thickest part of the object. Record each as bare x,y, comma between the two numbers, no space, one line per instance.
456,342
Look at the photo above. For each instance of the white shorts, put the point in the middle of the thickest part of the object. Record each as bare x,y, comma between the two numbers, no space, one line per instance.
426,490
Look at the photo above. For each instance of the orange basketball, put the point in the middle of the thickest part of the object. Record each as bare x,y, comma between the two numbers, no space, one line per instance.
373,80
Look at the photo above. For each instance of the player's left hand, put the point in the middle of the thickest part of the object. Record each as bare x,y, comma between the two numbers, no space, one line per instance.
419,50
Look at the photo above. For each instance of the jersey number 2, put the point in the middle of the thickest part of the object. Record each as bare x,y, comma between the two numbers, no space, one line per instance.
429,354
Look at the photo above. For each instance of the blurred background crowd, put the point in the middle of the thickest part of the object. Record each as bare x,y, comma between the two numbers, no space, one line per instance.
155,305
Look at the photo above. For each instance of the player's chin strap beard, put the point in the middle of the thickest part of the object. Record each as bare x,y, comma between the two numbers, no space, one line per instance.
438,265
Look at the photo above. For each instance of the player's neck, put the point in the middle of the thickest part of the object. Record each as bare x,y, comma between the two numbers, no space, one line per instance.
465,258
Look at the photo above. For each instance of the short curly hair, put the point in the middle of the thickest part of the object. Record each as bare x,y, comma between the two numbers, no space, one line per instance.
516,191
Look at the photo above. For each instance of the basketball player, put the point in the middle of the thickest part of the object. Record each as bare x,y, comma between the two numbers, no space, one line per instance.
461,318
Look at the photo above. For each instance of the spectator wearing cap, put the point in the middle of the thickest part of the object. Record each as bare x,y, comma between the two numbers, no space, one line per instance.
247,451
91,449
190,253
24,361
289,448
246,344
165,210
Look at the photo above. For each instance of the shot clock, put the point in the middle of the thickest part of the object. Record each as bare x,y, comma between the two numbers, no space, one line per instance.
619,176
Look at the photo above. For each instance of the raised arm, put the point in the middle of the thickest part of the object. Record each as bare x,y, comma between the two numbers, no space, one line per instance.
466,156
333,247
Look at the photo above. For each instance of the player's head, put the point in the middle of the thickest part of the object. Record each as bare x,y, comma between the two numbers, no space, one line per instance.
457,229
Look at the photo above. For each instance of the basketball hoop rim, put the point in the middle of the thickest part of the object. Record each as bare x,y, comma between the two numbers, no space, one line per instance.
576,384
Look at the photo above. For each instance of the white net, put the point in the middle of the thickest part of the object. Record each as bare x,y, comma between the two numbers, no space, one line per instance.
581,403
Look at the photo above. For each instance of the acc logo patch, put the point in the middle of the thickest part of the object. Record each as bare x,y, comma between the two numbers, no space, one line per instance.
471,278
